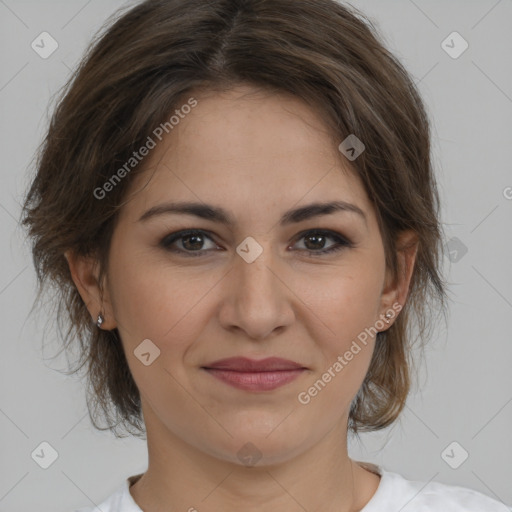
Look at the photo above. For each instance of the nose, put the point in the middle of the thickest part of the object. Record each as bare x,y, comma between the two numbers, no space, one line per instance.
256,298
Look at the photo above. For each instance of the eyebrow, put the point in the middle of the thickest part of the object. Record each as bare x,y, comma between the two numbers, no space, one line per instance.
220,215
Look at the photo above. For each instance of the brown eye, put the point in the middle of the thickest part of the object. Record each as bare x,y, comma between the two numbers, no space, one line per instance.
315,241
191,241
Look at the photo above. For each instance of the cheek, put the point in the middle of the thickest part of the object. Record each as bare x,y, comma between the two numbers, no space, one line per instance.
349,309
346,301
160,303
355,307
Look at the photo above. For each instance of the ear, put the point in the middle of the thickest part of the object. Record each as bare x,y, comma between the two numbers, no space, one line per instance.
85,274
396,288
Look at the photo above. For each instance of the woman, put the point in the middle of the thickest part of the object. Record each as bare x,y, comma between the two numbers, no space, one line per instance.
239,194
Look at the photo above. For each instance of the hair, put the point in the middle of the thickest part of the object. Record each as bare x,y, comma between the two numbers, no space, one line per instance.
138,71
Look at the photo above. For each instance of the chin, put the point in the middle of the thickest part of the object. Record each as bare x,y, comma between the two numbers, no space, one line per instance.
255,445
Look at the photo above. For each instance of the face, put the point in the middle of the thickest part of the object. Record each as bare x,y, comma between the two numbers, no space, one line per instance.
299,287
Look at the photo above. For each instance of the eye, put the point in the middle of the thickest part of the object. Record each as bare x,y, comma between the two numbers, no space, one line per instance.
191,242
315,241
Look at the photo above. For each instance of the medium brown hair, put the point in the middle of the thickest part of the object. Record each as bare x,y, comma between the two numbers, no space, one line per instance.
137,72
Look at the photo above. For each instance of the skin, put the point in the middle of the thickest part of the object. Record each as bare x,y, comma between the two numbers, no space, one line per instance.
256,154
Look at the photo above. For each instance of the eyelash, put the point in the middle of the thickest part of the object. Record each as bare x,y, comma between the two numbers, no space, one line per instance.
341,242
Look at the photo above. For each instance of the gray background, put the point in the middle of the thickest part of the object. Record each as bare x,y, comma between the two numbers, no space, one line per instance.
464,390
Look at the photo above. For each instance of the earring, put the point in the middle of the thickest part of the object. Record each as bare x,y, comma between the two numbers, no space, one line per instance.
100,320
388,316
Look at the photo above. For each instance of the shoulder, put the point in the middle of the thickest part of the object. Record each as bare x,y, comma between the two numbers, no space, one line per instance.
119,501
437,496
398,493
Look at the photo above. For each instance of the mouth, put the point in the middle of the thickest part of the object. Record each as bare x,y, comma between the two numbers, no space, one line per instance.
251,375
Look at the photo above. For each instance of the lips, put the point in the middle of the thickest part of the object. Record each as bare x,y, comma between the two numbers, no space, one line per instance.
251,375
243,364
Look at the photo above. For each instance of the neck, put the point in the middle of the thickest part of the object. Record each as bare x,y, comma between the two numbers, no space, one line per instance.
182,477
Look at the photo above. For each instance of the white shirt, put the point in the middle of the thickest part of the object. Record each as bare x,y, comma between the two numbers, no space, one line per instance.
394,494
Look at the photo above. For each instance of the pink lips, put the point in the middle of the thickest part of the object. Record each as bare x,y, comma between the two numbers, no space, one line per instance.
251,375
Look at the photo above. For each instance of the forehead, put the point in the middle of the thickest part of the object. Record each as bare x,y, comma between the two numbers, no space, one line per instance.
249,150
